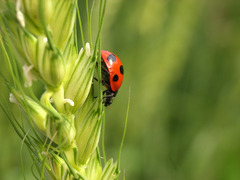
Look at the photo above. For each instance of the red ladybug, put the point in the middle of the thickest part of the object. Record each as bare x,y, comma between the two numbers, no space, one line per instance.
112,75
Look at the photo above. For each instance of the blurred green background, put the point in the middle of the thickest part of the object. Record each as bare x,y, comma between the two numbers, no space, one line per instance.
182,63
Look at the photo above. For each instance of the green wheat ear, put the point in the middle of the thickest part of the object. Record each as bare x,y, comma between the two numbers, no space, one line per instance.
40,43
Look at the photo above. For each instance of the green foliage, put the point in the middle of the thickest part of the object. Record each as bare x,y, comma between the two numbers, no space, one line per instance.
39,42
181,59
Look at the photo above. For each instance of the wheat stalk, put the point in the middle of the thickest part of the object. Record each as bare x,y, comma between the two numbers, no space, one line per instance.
40,43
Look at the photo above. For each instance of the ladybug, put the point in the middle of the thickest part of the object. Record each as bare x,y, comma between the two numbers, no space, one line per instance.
112,75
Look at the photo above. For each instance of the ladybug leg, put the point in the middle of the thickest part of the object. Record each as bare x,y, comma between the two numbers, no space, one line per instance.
104,92
105,69
106,84
107,96
104,99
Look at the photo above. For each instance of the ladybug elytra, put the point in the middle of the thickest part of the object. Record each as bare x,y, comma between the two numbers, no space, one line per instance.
112,75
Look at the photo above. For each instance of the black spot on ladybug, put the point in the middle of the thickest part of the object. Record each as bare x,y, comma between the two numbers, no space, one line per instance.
111,58
115,77
121,69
